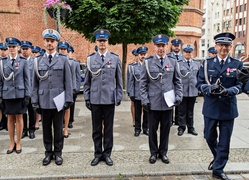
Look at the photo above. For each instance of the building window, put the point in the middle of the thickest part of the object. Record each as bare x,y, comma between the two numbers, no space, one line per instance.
240,8
202,53
245,20
244,7
240,21
202,43
208,44
236,9
231,10
236,23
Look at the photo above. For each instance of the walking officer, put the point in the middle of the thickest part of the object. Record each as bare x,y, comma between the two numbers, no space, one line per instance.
188,72
135,93
52,76
218,82
102,91
159,75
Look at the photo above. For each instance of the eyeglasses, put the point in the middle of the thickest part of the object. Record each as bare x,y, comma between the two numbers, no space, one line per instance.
223,45
4,49
187,52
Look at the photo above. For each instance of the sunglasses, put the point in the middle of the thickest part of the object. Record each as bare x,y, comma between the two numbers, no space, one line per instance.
102,40
187,52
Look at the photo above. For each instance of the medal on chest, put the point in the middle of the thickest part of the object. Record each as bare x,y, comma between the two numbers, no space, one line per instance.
228,71
108,64
167,67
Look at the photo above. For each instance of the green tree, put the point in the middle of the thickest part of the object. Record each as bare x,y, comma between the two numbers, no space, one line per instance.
129,21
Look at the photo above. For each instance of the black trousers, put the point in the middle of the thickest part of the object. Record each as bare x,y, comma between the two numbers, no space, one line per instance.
71,119
52,118
186,113
32,119
105,114
163,118
138,114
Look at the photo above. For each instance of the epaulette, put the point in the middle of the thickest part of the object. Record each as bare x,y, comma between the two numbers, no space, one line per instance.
21,57
3,58
130,64
209,58
114,53
235,59
149,57
78,61
91,54
40,55
62,54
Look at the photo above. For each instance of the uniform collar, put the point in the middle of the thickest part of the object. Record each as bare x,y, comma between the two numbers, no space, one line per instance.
53,54
103,54
13,58
222,59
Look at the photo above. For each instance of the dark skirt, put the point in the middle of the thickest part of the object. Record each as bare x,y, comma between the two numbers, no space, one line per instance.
15,106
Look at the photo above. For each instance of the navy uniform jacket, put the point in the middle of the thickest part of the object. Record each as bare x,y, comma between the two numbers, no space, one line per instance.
128,73
152,91
105,87
189,77
58,80
172,55
220,107
19,85
135,80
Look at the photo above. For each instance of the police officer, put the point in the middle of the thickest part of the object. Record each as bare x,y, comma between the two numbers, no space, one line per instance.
128,83
218,82
178,56
52,77
212,52
135,93
75,68
159,75
15,91
102,91
3,53
26,52
35,51
188,72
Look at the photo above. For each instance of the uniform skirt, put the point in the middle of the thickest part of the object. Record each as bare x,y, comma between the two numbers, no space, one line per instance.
15,106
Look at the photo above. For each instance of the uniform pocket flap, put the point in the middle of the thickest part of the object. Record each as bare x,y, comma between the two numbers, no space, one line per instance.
94,88
40,91
21,87
42,68
58,67
5,88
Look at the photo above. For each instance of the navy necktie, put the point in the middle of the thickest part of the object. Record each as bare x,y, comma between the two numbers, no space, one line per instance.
102,57
188,63
177,57
50,59
13,61
161,60
222,63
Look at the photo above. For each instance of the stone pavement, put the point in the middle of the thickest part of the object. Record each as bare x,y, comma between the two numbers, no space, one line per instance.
189,155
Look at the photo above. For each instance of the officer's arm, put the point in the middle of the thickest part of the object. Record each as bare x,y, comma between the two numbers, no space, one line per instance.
201,85
87,85
132,83
127,80
68,82
34,92
27,84
144,85
177,83
78,77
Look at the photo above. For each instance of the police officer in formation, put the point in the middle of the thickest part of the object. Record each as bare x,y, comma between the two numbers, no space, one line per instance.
26,52
76,79
218,82
52,76
134,92
178,56
3,53
212,52
159,75
35,51
15,92
188,72
128,83
102,91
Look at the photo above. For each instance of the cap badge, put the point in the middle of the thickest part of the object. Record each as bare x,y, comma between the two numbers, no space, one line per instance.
50,31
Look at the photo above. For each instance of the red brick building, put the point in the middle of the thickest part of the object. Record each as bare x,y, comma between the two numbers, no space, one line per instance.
24,20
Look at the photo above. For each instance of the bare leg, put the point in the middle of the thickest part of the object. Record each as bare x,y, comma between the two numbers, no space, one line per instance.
19,128
38,118
66,119
133,112
11,130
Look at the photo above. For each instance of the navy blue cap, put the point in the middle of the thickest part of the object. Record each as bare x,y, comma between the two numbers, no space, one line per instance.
160,39
51,34
3,45
188,47
224,38
11,41
43,51
134,52
142,50
176,41
70,49
35,49
101,34
26,44
63,45
212,50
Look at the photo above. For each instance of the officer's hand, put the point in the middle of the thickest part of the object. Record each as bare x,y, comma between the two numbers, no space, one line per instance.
224,92
67,105
177,102
26,100
118,103
132,98
74,91
146,107
36,108
88,105
214,87
1,103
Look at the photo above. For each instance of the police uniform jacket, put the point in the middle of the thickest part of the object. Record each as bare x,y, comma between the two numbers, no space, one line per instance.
152,91
19,85
135,81
58,80
220,107
75,71
128,74
172,55
104,87
189,77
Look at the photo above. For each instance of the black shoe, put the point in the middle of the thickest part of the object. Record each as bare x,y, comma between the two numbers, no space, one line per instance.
137,133
193,132
222,176
210,167
108,161
146,132
180,132
1,128
152,159
31,135
12,150
46,161
164,159
18,151
70,125
24,134
96,161
58,160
